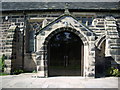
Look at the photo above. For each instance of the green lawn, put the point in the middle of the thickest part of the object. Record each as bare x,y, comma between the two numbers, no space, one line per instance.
3,74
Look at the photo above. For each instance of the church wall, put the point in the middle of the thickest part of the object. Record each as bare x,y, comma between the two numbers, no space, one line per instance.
30,62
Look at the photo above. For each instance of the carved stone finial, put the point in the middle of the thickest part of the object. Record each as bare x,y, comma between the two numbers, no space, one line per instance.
66,9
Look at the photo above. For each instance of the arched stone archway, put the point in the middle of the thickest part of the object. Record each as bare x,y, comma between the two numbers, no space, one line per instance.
87,61
69,24
69,67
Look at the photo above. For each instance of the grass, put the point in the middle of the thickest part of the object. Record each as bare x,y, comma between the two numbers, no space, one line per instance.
3,74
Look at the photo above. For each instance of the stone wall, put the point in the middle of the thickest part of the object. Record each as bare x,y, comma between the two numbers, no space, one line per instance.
30,62
112,40
102,28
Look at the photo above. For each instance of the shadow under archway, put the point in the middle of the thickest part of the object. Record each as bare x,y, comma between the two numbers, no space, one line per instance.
65,53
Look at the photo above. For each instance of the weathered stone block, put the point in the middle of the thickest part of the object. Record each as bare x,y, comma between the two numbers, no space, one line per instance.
115,51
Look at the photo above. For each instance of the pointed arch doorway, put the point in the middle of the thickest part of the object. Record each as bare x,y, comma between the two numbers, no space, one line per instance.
65,55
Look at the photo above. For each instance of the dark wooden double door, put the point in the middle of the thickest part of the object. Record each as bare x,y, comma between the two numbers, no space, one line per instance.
64,55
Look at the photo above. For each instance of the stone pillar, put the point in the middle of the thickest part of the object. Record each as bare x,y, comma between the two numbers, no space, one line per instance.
40,55
85,73
7,68
40,63
87,23
44,23
45,64
91,60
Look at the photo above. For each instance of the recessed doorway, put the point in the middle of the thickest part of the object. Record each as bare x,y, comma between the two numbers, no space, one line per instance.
65,55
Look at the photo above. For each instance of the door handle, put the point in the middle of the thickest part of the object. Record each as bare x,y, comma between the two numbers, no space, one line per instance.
66,60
